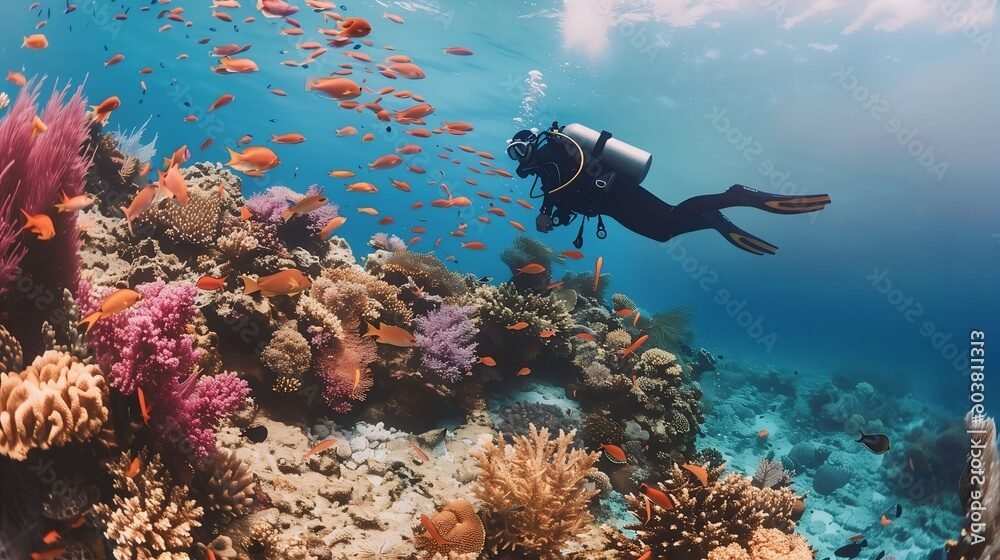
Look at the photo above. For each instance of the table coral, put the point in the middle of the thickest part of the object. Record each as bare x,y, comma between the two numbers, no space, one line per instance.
536,492
152,516
54,401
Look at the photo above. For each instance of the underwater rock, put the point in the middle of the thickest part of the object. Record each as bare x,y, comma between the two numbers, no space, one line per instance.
829,478
805,455
514,420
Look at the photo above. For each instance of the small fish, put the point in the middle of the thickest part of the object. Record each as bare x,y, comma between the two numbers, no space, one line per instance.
341,174
646,554
256,434
635,345
458,51
332,226
597,272
52,554
36,41
420,452
288,282
547,333
133,469
852,550
658,497
222,101
523,371
572,254
143,407
763,434
876,443
38,127
320,447
433,531
624,312
488,361
304,206
474,245
520,325
290,138
885,520
116,302
555,285
52,536
533,268
16,78
585,336
393,336
614,453
698,471
210,283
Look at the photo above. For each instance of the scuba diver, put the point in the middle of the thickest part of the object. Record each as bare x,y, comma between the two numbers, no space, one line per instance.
588,173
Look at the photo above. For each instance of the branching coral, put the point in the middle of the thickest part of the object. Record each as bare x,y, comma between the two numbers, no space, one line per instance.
147,346
34,171
60,332
424,269
11,354
152,516
199,222
766,544
446,338
657,362
727,511
230,487
55,401
459,526
536,491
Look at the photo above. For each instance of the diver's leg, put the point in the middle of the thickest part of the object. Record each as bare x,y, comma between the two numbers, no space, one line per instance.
733,234
740,195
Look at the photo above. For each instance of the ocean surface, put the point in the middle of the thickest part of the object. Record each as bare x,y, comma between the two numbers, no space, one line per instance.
889,108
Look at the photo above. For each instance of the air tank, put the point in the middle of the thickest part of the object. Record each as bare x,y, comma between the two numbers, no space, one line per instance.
629,162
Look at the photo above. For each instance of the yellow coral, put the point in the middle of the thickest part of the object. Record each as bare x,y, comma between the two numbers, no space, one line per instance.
152,517
536,492
618,339
772,544
729,552
54,401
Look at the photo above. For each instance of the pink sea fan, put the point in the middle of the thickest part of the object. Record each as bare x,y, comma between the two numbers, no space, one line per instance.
34,171
446,338
345,371
147,346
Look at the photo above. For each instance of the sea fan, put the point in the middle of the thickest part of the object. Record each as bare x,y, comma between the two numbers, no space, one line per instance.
130,143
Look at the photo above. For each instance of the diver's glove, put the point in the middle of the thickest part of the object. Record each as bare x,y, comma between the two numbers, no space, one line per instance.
543,223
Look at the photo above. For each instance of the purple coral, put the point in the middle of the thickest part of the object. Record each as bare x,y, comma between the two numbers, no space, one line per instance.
268,206
446,339
34,171
147,346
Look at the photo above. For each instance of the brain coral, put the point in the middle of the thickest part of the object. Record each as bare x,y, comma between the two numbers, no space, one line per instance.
459,525
52,402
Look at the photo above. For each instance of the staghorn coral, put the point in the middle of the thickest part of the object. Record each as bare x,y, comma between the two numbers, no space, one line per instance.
231,485
459,525
287,355
54,401
446,338
728,511
497,308
34,171
657,362
424,269
152,517
544,477
11,355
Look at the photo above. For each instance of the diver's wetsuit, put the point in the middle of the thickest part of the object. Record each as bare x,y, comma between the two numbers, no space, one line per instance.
639,210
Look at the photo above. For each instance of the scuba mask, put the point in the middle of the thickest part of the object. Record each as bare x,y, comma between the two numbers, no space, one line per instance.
522,146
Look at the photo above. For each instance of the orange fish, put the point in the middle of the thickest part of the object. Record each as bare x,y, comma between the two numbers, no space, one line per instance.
78,523
210,283
648,553
585,336
763,434
369,211
178,158
355,28
698,471
115,59
475,245
342,174
533,268
635,345
230,65
173,183
432,531
279,92
290,138
386,162
624,312
388,220
614,453
320,447
658,497
133,469
341,89
48,554
635,319
517,225
245,213
458,51
497,212
401,185
16,78
222,101
361,187
245,140
347,131
39,224
420,452
885,520
140,203
572,254
36,41
51,537
143,406
523,371
597,272
104,110
38,127
856,538
332,226
521,325
488,361
524,203
547,333
393,336
289,281
253,158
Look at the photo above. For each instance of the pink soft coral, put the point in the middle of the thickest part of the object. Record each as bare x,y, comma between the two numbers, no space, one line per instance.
344,369
34,171
147,346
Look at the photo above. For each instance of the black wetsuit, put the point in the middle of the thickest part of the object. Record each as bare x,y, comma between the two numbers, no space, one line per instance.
631,205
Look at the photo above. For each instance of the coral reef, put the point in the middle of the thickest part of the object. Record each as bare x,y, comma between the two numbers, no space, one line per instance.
446,339
460,528
536,492
54,401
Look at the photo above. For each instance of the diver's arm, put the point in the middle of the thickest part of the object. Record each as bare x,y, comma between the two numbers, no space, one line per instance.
543,223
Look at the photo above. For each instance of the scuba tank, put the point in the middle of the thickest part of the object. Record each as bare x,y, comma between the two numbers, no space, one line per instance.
613,155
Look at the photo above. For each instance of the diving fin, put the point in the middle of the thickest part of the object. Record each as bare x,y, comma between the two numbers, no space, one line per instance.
738,237
779,203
